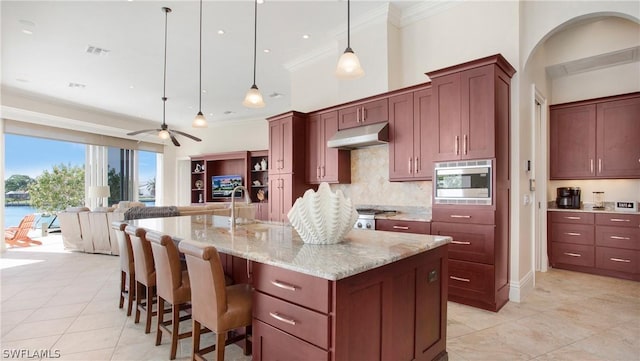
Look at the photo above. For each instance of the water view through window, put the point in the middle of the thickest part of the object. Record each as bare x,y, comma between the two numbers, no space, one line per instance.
30,159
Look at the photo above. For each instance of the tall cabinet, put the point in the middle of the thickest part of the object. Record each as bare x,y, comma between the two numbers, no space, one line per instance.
286,164
325,164
470,120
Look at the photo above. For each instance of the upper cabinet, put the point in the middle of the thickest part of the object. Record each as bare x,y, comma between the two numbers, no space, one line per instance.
324,164
409,151
467,100
363,114
596,138
286,143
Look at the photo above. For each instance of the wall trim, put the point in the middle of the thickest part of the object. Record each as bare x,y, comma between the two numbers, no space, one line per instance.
518,289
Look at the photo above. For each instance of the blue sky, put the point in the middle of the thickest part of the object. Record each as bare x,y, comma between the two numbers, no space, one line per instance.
30,156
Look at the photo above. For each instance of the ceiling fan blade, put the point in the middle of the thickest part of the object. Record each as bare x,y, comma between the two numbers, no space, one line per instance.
173,139
187,135
143,131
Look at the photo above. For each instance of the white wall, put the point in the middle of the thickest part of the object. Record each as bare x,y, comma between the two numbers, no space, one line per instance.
3,246
615,80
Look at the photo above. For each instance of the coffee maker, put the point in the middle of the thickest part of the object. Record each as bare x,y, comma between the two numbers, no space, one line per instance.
568,197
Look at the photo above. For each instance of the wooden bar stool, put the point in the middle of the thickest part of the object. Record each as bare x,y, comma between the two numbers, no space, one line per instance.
127,268
214,305
145,272
172,286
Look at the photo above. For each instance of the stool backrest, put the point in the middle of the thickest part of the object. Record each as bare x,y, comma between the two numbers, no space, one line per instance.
168,267
142,255
124,245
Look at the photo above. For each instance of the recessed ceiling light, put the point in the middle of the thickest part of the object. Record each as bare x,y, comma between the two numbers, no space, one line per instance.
131,87
267,50
305,36
210,114
204,90
221,32
27,31
260,1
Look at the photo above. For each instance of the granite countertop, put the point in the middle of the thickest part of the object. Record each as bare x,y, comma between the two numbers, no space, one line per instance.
279,245
588,207
402,213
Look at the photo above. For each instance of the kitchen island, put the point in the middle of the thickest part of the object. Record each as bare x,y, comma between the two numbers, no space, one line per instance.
374,296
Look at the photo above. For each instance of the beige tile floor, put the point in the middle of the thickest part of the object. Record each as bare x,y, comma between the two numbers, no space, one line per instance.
67,303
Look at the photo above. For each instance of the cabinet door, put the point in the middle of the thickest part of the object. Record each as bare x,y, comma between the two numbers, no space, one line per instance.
335,164
363,114
572,142
471,242
422,148
477,138
445,122
314,149
286,141
402,163
275,198
403,226
269,343
618,138
349,117
275,146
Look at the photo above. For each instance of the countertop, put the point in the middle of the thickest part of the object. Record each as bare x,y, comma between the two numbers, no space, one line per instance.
279,245
402,213
609,208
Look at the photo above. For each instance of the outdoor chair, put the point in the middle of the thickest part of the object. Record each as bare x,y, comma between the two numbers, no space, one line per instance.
19,236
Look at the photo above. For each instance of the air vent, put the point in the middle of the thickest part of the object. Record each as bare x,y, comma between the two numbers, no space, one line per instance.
94,50
76,85
229,112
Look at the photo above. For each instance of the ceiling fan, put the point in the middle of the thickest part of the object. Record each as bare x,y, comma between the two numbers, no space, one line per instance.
164,132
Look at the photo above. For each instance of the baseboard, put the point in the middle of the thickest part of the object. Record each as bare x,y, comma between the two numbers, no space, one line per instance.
518,289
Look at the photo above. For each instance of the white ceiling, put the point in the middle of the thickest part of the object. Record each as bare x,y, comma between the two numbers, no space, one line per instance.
128,78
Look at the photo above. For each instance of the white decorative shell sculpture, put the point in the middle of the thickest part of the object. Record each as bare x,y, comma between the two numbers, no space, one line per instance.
322,217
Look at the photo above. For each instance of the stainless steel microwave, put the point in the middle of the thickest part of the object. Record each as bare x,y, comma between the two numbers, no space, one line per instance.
463,182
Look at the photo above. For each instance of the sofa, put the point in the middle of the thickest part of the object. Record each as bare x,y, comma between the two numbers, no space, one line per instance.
90,231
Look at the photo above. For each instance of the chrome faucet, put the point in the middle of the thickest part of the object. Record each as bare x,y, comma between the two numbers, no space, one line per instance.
247,200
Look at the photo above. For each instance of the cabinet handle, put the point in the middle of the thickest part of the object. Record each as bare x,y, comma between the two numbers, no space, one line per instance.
621,238
409,165
456,145
460,279
599,165
283,285
573,254
619,220
461,242
324,173
572,217
401,227
249,267
364,114
318,173
459,216
357,115
620,260
590,165
572,234
464,144
277,316
416,166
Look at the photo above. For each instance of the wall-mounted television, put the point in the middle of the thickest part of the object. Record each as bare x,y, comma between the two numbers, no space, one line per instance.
223,185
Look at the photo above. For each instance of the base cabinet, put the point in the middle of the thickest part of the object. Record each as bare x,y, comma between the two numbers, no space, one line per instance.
394,312
600,243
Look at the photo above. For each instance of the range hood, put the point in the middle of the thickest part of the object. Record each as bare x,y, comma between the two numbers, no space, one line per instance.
360,137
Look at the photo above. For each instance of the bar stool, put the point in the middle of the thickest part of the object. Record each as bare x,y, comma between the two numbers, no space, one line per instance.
127,268
172,286
214,305
145,272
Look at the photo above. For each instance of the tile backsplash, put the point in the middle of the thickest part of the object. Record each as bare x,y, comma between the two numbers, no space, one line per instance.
370,182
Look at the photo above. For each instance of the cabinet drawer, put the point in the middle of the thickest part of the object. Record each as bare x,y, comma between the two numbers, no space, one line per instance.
618,220
572,217
463,215
618,237
470,280
614,259
304,290
573,254
572,233
303,323
403,226
269,343
471,242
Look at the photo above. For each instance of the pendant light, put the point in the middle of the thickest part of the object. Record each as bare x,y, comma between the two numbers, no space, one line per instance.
253,98
200,121
348,64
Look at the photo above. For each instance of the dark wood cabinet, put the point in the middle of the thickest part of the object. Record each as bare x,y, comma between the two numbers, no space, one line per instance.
287,156
325,164
259,183
595,138
409,150
366,113
468,101
599,243
471,120
206,166
394,312
197,180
